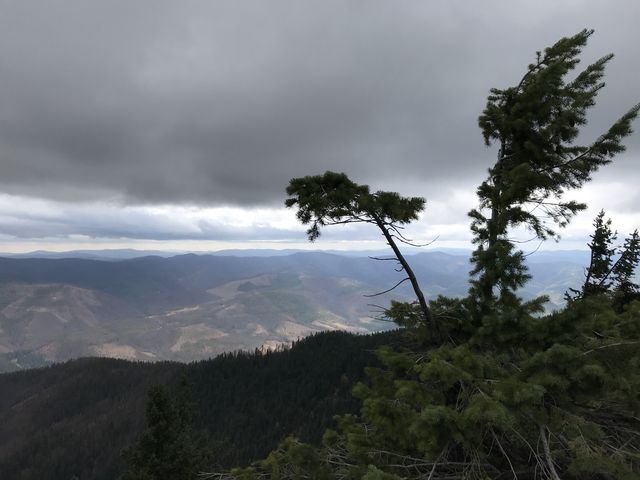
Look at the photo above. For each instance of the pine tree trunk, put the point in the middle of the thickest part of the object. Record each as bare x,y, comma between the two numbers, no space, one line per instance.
426,311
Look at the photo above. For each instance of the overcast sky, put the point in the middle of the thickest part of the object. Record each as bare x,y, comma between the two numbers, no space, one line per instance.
158,124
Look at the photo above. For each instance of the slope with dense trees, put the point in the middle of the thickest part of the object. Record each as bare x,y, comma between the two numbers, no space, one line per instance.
75,418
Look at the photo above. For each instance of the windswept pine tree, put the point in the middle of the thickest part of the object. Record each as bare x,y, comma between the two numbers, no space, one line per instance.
534,125
505,392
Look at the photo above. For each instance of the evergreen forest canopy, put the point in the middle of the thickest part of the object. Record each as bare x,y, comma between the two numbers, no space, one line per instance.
71,420
491,387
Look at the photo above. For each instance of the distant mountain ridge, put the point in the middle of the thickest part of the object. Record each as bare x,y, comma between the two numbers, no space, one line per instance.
107,254
130,253
189,307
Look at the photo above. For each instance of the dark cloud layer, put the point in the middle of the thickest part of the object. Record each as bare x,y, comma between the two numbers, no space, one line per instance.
221,102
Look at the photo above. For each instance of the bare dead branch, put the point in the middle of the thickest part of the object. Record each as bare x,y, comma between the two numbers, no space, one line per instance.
547,453
390,289
618,344
504,453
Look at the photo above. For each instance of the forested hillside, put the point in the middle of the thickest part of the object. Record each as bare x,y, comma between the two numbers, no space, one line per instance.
72,420
192,307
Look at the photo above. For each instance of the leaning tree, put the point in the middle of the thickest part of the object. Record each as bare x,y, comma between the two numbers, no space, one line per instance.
333,199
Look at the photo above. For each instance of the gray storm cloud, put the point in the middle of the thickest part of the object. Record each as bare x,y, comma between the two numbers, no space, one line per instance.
223,102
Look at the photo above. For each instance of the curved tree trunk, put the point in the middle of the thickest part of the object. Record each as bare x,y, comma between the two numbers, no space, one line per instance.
426,311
